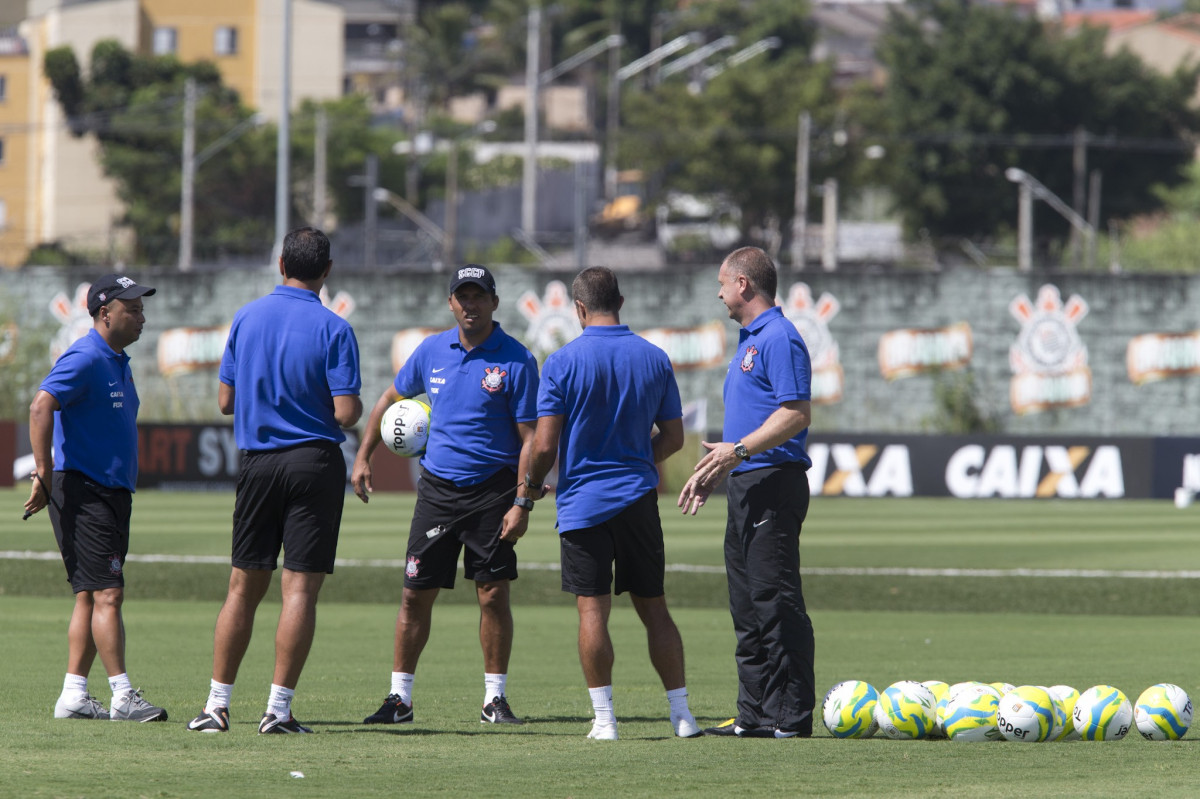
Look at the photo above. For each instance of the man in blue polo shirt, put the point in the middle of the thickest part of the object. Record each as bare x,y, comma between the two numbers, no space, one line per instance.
83,428
601,396
767,413
290,377
482,388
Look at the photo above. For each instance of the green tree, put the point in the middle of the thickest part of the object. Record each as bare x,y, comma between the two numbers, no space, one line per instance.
736,134
975,89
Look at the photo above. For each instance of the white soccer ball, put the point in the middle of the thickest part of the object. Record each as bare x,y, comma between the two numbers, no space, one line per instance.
405,427
1163,713
969,713
1103,713
1026,713
1066,696
906,710
849,710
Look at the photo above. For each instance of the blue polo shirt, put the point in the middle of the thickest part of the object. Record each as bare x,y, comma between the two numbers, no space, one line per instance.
476,399
95,431
771,367
610,386
286,357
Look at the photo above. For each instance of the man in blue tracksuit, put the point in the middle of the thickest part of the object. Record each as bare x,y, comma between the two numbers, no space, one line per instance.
767,413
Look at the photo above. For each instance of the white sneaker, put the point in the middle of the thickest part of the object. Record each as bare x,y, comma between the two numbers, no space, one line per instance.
686,727
80,706
603,732
132,707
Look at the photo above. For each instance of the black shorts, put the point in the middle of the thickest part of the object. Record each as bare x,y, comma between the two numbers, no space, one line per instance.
290,498
633,539
433,561
92,530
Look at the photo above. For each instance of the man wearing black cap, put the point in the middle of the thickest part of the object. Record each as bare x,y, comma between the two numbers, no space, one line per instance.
83,429
482,387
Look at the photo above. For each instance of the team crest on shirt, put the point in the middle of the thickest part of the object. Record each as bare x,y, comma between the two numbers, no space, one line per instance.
411,569
114,564
748,358
493,379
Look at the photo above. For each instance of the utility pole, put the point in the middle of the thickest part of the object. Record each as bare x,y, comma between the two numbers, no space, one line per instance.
829,252
613,114
451,207
1093,217
319,168
532,85
800,202
282,141
187,194
1024,227
371,217
1079,188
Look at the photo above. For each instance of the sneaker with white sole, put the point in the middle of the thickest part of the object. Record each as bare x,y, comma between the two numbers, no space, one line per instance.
686,727
83,706
603,732
498,712
132,707
273,725
393,711
216,720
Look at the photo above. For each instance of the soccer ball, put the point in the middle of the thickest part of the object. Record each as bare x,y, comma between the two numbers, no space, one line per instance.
1061,719
405,427
1026,714
849,709
1163,713
1102,713
1066,696
906,710
969,714
939,690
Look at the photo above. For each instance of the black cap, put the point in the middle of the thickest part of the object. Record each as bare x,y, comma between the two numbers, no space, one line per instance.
473,273
112,287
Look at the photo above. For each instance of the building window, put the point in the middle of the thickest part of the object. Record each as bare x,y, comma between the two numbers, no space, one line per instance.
3,88
225,40
3,215
165,41
1,151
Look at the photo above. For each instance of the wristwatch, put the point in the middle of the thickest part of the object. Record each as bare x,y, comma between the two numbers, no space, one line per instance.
740,450
523,502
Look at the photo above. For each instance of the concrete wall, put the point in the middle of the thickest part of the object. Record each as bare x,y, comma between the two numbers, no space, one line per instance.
1131,342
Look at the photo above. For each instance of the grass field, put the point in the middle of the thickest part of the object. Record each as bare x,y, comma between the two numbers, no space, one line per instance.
1025,592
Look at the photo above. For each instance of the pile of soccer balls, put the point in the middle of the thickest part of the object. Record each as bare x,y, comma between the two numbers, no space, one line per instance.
975,711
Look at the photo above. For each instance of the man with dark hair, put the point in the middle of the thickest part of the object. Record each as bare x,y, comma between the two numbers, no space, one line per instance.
767,413
290,377
482,389
601,395
83,429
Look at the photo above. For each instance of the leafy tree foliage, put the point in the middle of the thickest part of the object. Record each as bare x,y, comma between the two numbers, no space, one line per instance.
975,89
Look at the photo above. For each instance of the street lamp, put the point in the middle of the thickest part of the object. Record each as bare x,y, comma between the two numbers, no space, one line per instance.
1030,189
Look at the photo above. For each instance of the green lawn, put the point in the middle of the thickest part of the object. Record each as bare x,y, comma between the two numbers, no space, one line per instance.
878,623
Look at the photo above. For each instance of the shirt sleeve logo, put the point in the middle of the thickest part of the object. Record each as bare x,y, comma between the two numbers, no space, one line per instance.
493,379
748,358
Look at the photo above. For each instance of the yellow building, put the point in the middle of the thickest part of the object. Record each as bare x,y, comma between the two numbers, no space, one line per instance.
16,134
58,190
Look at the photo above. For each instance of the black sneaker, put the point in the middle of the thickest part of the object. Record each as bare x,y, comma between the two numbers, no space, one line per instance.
498,712
724,729
273,725
216,721
393,712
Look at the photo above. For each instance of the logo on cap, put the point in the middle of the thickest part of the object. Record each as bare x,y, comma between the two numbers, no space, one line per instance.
470,271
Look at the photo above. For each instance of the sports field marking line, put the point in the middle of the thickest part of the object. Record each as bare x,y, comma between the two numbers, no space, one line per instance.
839,571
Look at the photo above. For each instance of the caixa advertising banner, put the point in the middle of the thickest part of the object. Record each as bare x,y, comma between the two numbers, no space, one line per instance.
1005,467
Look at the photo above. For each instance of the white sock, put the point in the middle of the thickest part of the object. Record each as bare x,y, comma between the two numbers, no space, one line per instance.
219,695
402,683
679,704
493,686
280,702
602,704
120,684
74,685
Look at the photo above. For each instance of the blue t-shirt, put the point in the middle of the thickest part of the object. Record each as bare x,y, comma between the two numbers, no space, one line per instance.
476,399
95,431
610,386
287,356
771,367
